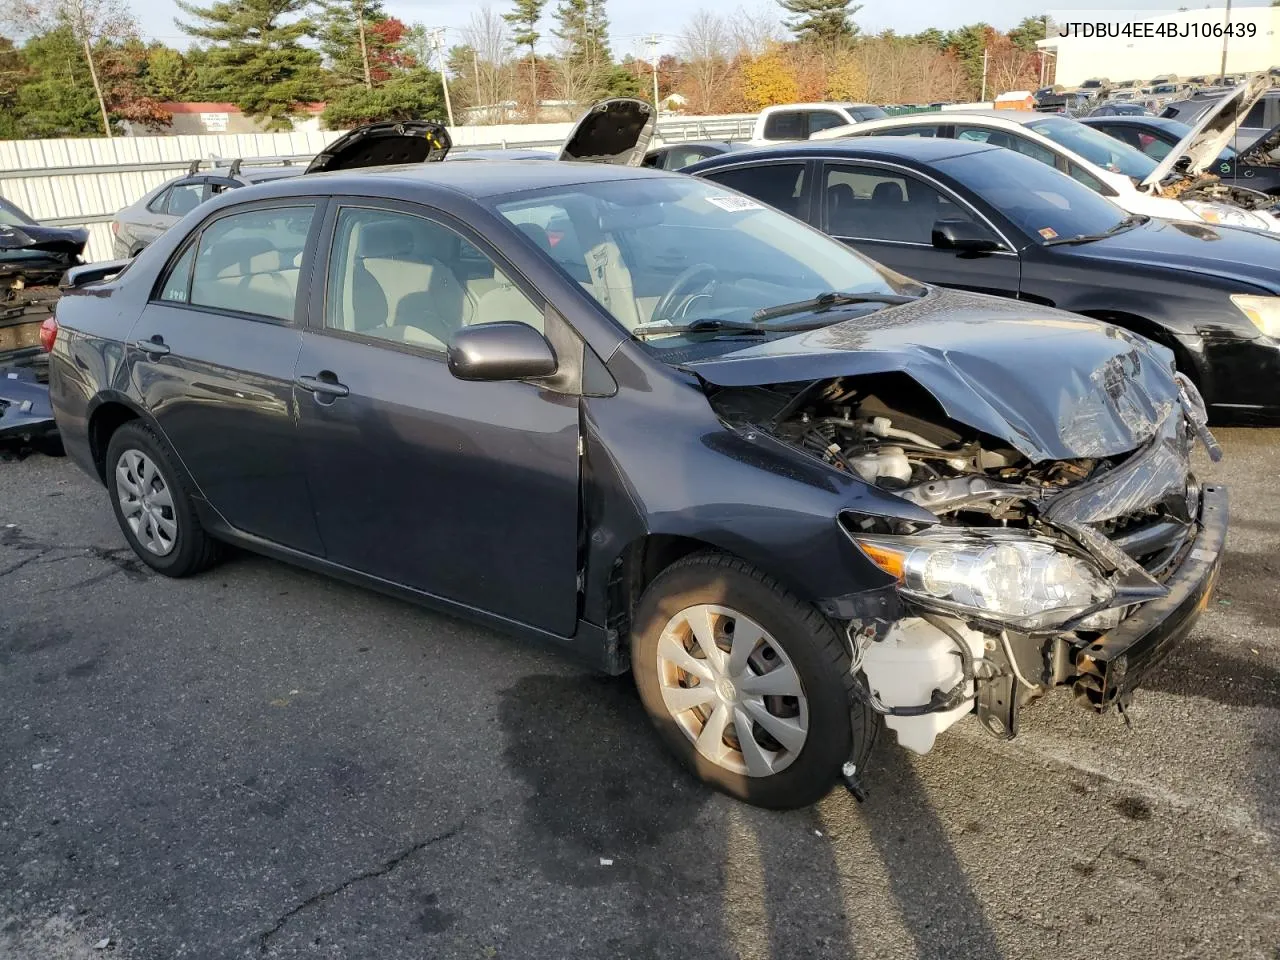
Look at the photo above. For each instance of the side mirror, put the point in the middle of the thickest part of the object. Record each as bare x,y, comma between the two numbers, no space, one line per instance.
963,236
500,351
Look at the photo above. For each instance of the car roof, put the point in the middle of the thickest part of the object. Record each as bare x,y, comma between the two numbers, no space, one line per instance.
263,174
491,178
827,105
924,149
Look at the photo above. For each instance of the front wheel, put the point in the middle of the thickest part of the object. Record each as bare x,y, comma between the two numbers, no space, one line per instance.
747,684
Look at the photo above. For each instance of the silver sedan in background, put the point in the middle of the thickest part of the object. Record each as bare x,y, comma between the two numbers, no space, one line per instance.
141,222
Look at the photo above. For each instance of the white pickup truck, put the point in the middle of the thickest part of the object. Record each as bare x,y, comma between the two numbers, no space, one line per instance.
797,121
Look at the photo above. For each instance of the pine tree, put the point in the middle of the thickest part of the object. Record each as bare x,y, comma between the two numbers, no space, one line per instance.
825,22
524,26
584,28
258,58
351,44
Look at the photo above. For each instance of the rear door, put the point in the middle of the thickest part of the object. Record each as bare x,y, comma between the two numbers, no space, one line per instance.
465,491
212,358
889,213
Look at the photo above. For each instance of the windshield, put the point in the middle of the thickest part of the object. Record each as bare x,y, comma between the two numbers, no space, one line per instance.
1090,84
1046,204
1096,147
672,251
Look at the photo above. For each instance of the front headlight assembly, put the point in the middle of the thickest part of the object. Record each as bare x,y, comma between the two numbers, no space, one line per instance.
1225,215
1263,312
1022,581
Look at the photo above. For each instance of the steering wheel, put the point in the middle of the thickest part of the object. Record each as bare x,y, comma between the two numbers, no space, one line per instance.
691,279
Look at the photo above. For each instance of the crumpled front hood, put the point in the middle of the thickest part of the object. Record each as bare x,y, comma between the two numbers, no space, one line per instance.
1053,385
34,236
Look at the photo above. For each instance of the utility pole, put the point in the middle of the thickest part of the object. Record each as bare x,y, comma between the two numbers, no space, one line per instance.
1222,74
97,88
652,41
985,57
437,39
364,47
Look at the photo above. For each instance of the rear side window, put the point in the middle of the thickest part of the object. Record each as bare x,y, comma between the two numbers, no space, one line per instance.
921,131
183,198
177,283
679,157
245,263
825,120
159,202
780,185
1088,179
785,125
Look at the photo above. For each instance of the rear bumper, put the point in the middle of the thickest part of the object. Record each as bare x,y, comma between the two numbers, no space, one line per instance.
1114,665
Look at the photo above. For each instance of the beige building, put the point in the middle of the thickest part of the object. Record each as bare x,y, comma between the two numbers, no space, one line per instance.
1180,43
198,119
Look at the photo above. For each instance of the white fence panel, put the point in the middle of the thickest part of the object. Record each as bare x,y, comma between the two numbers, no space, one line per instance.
86,181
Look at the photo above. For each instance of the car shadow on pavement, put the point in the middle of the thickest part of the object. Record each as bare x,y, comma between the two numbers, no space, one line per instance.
607,805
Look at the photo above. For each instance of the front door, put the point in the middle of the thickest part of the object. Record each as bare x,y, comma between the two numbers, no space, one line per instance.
212,358
888,214
466,491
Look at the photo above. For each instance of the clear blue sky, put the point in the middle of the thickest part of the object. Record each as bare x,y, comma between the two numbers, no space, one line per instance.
629,19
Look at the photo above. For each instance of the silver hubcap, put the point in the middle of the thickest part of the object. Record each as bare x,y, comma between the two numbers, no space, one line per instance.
146,503
733,690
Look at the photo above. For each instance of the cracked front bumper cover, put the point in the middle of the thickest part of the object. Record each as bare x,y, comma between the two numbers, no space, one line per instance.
1113,666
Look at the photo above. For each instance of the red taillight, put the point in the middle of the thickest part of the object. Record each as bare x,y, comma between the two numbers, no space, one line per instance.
48,333
115,228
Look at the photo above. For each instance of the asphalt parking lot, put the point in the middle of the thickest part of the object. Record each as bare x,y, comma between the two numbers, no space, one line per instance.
260,762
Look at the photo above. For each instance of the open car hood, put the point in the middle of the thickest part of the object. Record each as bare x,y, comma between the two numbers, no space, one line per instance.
1053,385
613,131
380,144
33,236
1212,132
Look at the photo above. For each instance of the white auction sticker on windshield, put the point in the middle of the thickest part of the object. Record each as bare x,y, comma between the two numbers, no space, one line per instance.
736,204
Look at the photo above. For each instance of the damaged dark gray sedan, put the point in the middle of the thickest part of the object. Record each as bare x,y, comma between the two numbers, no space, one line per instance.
647,418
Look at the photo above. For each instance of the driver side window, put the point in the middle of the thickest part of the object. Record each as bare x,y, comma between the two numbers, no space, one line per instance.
403,278
873,203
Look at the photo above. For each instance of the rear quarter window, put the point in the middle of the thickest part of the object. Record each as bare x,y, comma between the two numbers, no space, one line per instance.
784,125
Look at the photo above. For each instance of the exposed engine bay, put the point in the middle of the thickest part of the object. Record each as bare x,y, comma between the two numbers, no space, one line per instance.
1208,188
1262,153
1028,564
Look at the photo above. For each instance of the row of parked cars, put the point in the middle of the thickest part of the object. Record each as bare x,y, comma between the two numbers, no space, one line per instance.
813,438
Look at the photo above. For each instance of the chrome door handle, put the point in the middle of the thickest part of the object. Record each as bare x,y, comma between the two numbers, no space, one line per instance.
322,387
154,347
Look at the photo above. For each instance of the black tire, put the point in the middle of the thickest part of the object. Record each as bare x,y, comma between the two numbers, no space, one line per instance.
841,726
193,550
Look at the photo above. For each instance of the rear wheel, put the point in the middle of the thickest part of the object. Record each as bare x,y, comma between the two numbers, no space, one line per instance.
747,684
152,506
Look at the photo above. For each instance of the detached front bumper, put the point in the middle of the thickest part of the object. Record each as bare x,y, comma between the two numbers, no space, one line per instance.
1109,669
